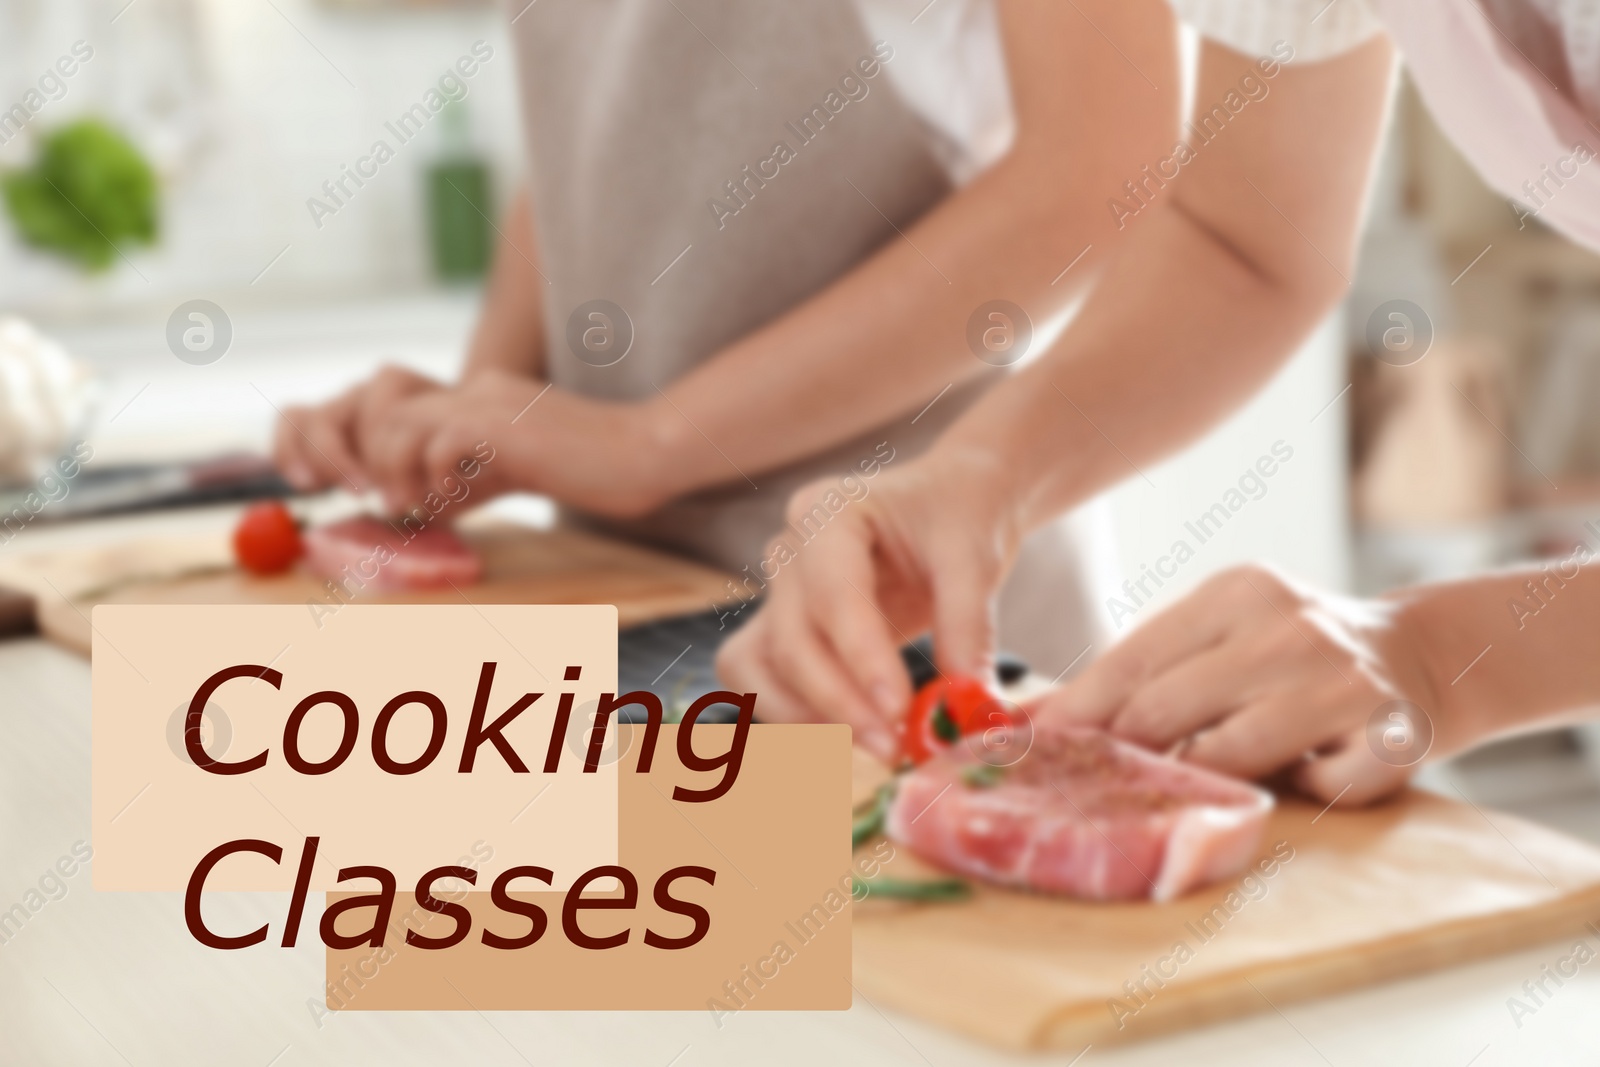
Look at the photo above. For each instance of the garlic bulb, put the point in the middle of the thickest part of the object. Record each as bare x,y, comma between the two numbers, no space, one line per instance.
44,400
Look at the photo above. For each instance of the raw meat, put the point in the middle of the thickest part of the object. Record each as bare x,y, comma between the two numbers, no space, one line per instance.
1081,814
375,553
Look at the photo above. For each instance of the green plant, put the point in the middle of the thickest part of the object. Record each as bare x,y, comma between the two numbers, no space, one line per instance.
88,192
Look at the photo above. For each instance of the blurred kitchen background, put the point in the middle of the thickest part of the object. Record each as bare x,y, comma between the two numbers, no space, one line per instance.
243,111
202,130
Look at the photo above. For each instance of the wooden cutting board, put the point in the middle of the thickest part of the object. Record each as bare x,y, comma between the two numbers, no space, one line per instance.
521,565
1367,896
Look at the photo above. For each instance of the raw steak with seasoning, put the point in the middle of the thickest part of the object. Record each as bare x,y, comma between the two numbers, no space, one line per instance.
375,553
1081,814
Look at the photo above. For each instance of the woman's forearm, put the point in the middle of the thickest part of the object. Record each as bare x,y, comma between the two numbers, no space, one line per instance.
1509,651
1220,283
1127,386
509,335
890,335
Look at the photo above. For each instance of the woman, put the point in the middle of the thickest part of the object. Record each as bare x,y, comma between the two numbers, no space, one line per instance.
752,238
1248,250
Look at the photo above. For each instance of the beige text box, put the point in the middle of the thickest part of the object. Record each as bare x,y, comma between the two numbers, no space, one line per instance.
155,814
779,908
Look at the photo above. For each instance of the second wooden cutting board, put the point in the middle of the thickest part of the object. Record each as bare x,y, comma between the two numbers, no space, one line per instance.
521,565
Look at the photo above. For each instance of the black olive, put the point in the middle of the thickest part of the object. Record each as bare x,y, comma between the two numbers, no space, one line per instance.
918,658
1009,669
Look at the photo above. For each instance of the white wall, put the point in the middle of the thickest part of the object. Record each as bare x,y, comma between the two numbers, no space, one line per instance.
1300,522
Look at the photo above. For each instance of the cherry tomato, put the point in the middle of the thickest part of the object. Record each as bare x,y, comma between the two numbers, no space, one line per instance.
945,710
267,539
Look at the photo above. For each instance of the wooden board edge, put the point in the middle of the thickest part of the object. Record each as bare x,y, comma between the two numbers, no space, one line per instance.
68,625
1231,995
18,612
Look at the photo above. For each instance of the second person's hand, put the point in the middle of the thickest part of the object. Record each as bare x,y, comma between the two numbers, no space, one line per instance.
1253,673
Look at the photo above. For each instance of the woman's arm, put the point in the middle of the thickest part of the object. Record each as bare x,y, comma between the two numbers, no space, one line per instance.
1094,88
1508,651
1222,276
890,334
884,338
1255,244
510,331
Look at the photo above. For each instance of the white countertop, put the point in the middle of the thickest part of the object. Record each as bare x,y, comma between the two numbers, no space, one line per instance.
114,978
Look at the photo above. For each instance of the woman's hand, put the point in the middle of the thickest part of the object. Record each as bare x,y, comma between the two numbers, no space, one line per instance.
592,454
1252,673
926,547
315,446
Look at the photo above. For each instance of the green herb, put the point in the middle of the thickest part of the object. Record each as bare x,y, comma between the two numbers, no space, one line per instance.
88,193
944,727
677,705
868,822
869,817
982,776
936,891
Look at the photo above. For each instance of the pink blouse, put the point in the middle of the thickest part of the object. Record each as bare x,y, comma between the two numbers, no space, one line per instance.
1514,83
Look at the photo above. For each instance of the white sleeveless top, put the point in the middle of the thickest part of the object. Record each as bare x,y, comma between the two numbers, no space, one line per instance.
950,70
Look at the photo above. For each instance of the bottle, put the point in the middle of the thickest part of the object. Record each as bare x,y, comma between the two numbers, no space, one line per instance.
459,202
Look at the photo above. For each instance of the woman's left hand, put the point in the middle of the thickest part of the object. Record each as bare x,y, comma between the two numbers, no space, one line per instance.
1252,674
594,455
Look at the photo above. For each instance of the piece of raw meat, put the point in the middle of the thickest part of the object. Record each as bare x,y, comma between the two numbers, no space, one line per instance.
1081,814
377,554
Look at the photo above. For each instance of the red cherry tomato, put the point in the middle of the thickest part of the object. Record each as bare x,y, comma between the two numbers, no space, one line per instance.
944,711
267,539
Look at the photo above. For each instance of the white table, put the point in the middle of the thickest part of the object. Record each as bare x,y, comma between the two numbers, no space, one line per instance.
114,978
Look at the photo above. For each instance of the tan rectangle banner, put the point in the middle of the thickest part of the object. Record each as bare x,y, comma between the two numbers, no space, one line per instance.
378,706
762,921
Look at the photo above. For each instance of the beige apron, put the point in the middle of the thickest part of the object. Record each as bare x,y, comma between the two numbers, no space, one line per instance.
639,114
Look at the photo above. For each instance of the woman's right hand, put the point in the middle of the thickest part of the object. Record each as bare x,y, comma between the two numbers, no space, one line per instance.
926,547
